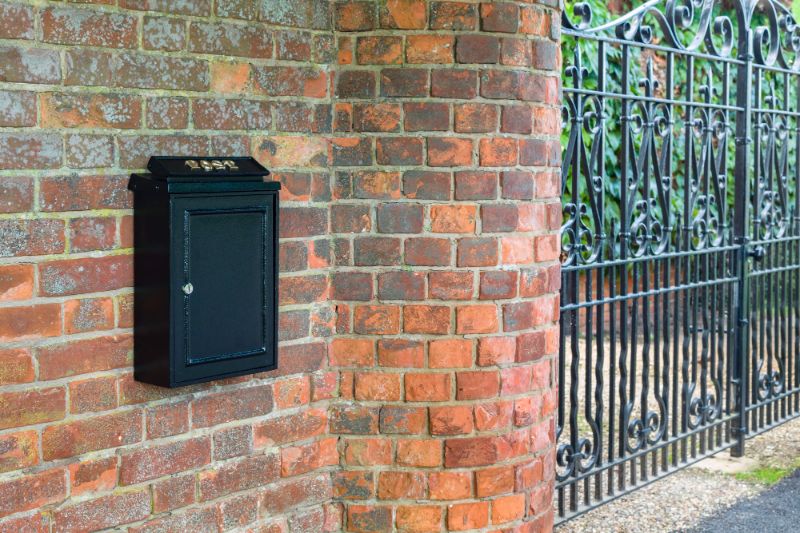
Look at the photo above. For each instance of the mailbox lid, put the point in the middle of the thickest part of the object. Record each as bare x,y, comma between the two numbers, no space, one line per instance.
207,168
218,185
223,279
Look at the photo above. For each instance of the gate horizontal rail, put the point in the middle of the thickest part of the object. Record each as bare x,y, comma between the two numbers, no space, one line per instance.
680,293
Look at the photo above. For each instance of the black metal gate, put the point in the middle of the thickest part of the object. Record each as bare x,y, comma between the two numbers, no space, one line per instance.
680,296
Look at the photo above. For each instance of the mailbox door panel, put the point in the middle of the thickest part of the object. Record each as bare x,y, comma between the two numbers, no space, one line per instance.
223,278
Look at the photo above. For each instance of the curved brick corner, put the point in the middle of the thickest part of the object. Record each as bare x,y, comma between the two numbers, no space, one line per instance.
417,142
445,219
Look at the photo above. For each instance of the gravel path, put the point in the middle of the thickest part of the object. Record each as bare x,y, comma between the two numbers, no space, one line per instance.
694,497
775,509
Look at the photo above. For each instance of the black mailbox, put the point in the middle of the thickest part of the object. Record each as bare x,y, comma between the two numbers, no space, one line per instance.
205,270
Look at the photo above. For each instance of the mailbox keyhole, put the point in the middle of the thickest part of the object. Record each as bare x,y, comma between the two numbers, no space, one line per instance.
188,289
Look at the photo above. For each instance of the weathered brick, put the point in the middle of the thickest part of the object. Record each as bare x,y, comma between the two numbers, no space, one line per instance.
32,492
454,285
18,450
353,485
458,218
232,405
477,48
89,67
90,434
242,474
16,366
92,233
401,285
475,185
173,492
401,485
92,395
401,151
250,41
419,518
230,77
379,50
106,512
96,475
428,319
17,108
31,237
426,453
429,49
167,419
426,116
403,420
426,185
200,520
453,16
479,251
500,17
463,516
158,461
79,193
454,83
89,151
450,353
16,21
368,518
75,276
475,118
29,65
449,152
30,322
427,387
164,33
198,8
83,356
135,150
145,71
355,84
313,14
404,82
30,150
376,117
351,151
307,424
355,16
476,319
89,27
451,420
400,218
16,194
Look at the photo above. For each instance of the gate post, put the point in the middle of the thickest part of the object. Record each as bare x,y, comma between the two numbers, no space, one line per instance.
741,223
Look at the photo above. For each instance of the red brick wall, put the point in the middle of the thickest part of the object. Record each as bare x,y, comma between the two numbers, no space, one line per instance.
417,142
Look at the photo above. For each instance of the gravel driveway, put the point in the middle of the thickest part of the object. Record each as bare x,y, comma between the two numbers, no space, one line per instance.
697,499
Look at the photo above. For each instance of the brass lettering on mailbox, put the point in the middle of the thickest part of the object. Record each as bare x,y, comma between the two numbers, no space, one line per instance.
208,166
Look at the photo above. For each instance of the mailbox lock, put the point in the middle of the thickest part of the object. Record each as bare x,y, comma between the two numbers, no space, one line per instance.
188,289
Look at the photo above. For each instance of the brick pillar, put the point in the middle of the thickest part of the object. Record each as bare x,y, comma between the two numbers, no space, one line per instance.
445,218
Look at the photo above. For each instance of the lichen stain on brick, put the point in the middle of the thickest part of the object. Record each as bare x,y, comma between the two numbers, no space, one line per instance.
310,13
91,151
161,34
42,64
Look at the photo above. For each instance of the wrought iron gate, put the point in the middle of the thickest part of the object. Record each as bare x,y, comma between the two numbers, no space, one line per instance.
680,296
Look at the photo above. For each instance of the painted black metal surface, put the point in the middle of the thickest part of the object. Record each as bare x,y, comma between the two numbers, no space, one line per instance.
205,269
680,295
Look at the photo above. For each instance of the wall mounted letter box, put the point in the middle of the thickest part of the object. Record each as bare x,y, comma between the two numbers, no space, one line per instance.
205,270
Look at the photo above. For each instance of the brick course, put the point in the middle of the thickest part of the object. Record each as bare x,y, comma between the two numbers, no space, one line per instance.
417,142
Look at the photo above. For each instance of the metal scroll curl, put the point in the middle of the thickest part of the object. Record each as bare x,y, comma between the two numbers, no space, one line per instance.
691,25
674,19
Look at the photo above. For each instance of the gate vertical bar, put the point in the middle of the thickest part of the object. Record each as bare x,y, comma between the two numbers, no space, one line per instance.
741,226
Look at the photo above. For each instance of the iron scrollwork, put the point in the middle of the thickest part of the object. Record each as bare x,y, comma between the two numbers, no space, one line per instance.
657,206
